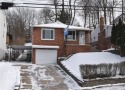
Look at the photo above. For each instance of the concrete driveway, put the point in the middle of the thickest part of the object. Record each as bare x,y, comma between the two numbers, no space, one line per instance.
45,77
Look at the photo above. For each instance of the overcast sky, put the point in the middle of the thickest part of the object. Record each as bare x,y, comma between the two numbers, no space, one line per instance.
39,2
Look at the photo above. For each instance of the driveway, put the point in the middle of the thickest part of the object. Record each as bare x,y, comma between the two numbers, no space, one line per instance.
45,77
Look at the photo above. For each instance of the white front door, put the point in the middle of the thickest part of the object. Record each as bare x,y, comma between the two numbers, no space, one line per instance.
81,38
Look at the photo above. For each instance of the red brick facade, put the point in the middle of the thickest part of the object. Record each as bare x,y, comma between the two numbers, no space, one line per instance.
70,48
101,36
103,46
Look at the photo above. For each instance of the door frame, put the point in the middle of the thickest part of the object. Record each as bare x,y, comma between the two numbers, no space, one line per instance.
82,38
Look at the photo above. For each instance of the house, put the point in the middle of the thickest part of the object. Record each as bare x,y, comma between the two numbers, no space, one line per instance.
49,38
100,36
9,39
3,31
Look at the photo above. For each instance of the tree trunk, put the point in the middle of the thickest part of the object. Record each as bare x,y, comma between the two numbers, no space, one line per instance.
70,12
56,10
98,15
73,13
85,17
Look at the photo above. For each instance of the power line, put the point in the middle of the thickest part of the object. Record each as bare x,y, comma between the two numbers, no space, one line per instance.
68,5
60,8
77,7
34,4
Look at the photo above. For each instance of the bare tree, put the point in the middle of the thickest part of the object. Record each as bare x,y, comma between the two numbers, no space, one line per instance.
86,9
74,12
47,15
95,12
19,21
110,8
55,3
102,5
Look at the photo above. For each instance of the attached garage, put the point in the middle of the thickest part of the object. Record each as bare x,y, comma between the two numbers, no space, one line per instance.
44,54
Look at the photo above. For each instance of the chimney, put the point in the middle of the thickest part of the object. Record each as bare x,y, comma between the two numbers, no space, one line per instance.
101,24
101,36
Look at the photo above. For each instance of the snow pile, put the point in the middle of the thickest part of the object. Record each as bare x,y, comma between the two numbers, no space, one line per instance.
108,49
8,76
28,44
72,64
22,56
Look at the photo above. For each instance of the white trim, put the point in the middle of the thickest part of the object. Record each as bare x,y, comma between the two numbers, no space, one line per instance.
48,39
45,46
49,30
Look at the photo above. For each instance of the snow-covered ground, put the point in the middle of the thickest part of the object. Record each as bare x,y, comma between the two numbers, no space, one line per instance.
9,76
72,64
109,49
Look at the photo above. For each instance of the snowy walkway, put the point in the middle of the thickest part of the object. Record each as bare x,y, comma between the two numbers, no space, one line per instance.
45,77
25,78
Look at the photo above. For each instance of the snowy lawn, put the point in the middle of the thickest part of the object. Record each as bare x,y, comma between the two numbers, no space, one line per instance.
73,63
9,76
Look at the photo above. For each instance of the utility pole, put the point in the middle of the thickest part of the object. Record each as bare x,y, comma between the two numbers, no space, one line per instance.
122,10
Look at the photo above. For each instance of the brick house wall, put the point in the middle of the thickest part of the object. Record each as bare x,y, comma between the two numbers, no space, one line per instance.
71,46
71,49
102,41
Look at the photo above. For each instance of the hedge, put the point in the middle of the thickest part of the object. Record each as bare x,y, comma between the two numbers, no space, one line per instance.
102,70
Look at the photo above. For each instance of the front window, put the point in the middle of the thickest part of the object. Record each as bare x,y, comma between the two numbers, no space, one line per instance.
71,35
47,34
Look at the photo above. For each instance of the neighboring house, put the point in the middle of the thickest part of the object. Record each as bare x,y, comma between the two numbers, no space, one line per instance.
48,37
9,39
3,31
100,36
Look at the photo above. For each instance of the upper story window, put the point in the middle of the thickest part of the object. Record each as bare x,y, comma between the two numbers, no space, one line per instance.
47,34
71,36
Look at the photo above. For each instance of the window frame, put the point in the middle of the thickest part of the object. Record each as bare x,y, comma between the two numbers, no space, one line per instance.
49,29
71,39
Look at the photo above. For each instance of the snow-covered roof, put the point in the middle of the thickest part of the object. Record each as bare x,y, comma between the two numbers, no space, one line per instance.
45,46
59,24
28,44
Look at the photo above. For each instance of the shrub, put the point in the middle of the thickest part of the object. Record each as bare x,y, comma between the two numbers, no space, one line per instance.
102,70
